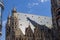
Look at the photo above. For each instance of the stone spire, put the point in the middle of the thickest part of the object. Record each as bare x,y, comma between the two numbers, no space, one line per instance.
14,10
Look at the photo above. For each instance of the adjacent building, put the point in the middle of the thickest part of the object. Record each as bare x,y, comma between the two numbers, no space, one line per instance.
1,11
55,8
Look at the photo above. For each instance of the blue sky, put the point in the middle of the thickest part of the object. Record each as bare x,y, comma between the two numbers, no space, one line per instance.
37,7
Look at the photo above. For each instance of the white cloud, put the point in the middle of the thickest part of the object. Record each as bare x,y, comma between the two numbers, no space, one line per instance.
35,4
43,0
30,5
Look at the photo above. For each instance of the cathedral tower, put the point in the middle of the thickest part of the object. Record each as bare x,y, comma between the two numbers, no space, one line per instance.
12,26
1,10
55,7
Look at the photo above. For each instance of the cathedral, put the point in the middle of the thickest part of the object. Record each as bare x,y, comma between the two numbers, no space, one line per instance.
22,26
